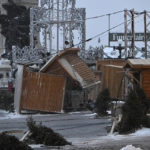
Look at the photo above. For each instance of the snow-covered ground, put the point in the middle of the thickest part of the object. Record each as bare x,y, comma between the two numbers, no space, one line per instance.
6,115
130,147
36,145
86,140
111,137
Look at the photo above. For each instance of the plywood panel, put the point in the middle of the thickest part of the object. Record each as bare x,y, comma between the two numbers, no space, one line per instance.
42,92
112,79
146,82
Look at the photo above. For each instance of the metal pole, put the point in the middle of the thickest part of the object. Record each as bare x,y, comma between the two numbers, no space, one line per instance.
63,15
70,28
31,28
57,25
84,30
145,33
49,27
133,33
70,41
125,32
45,33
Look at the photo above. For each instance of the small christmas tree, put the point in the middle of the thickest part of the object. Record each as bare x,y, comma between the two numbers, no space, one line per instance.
9,142
41,134
102,102
134,111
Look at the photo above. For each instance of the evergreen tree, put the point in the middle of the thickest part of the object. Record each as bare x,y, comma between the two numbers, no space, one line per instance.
40,134
15,25
102,102
10,142
134,111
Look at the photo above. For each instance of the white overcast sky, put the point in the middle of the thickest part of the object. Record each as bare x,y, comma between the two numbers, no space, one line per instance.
100,7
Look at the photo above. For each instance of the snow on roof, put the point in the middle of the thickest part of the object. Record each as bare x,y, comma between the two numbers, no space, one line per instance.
139,63
109,52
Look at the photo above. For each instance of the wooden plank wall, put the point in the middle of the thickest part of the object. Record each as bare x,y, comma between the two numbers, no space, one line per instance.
42,92
118,62
56,68
146,82
102,62
111,78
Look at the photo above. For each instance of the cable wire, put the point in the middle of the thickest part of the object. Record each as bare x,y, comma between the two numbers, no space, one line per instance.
95,17
98,35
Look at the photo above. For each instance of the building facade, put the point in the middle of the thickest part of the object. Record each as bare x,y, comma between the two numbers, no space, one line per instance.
26,3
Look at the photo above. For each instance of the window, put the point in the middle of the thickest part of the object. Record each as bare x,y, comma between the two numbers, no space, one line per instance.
7,74
1,75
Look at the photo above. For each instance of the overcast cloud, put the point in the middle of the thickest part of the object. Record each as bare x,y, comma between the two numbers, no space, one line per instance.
99,7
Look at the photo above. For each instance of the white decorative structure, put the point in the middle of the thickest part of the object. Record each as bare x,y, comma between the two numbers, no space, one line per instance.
57,19
54,26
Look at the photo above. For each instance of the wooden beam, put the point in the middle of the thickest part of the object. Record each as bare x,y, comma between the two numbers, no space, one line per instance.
129,74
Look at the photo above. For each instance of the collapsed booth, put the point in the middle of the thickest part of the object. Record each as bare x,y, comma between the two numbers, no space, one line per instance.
61,84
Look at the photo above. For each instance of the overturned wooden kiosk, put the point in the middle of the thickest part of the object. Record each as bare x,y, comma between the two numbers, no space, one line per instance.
61,84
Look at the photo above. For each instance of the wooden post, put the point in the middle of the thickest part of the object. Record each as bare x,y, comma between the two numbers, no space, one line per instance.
125,32
133,33
145,34
108,29
63,97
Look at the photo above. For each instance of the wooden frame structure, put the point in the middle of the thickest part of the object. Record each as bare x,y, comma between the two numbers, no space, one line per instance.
139,72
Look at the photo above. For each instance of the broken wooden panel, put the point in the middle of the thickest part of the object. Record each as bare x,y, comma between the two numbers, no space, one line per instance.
79,66
68,63
18,87
146,82
42,92
112,78
78,70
